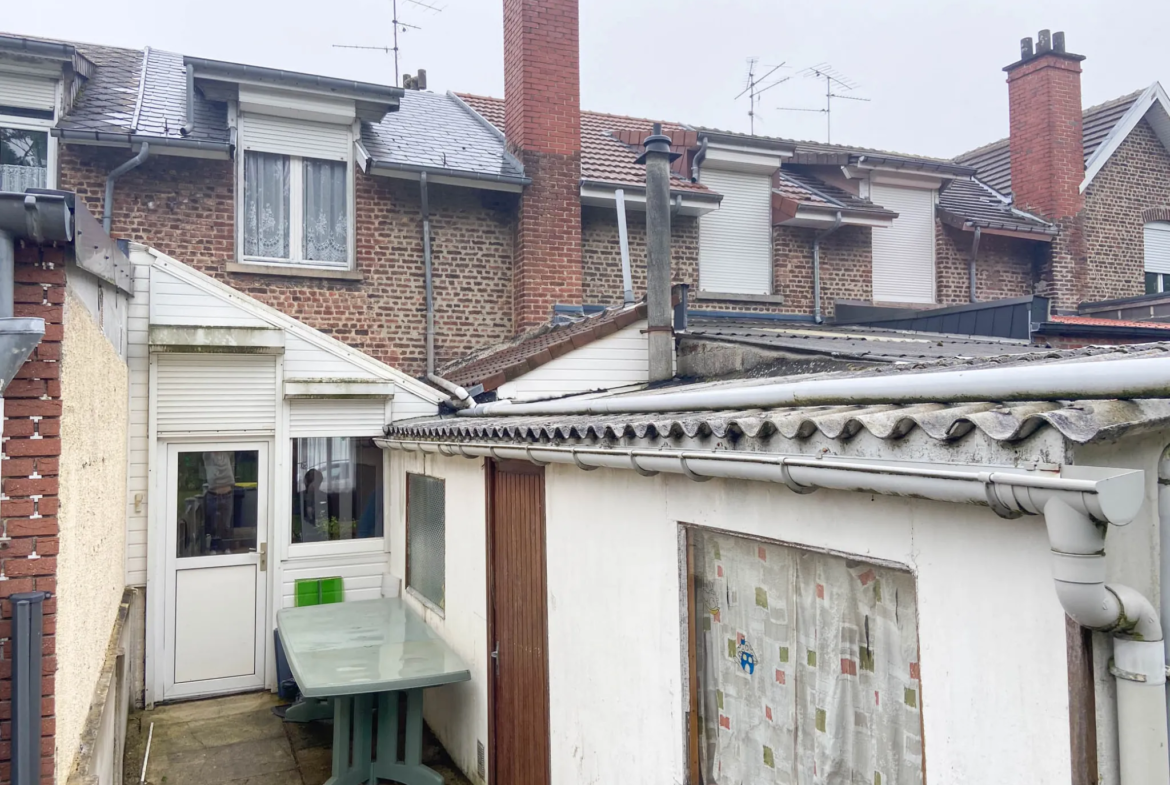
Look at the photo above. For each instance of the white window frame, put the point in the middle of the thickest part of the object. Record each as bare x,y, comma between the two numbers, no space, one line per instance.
1162,275
296,236
20,123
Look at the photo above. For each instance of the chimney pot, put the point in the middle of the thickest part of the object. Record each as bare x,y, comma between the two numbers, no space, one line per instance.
421,79
1058,41
1025,48
1044,42
406,80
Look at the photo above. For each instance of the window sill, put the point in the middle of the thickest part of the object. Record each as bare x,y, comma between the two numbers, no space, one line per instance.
294,271
430,606
731,297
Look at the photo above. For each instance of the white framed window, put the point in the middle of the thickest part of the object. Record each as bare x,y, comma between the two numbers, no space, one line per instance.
295,193
903,254
735,241
426,538
337,489
1157,256
28,152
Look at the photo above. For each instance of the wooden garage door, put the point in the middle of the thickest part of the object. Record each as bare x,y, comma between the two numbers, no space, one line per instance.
519,624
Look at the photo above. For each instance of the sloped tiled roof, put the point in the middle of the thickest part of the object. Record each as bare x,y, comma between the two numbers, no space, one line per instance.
993,164
438,131
810,191
503,362
971,202
1092,321
604,158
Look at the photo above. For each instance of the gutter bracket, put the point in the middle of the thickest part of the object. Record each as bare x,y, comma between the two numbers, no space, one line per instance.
634,465
682,460
792,484
994,502
581,464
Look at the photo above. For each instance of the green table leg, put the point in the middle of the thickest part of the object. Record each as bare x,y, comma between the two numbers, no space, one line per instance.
309,709
407,769
352,714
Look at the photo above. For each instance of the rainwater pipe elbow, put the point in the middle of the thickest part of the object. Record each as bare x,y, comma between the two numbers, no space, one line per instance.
697,161
133,163
1139,662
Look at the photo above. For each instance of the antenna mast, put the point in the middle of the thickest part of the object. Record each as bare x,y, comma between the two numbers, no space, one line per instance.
756,86
834,80
395,24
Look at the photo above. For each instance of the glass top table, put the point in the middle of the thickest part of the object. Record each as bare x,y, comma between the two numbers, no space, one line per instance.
362,654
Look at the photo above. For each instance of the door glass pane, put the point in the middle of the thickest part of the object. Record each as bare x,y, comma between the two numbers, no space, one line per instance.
337,489
217,499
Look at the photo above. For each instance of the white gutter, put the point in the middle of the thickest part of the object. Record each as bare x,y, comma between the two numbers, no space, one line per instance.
1078,506
1135,378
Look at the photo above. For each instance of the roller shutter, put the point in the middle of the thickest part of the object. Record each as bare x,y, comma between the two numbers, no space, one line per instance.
269,134
1158,248
337,417
215,393
903,254
735,241
27,92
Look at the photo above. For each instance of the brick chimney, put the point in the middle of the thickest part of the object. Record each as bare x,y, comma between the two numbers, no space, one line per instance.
1048,158
542,119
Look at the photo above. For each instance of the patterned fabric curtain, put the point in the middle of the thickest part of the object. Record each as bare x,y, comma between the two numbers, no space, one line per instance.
266,205
326,222
18,179
808,667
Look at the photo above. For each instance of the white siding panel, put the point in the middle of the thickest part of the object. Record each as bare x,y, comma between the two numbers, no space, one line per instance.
337,417
303,360
138,363
216,393
407,405
268,134
617,360
360,573
27,91
1157,237
175,302
735,241
903,254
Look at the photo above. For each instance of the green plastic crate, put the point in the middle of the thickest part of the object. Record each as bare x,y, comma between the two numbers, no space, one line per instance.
318,591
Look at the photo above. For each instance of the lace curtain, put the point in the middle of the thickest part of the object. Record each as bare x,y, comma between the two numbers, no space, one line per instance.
18,179
326,222
266,205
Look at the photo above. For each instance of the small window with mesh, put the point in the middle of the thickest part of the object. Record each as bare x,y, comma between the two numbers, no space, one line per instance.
426,533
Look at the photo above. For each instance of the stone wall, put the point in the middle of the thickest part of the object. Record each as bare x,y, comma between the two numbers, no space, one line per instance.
1136,177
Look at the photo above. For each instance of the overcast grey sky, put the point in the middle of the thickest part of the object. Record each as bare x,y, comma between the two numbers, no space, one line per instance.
932,68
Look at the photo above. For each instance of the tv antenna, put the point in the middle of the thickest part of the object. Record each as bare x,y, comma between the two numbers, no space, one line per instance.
756,86
836,85
396,23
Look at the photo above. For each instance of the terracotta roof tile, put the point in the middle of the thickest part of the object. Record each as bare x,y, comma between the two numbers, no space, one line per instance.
1091,321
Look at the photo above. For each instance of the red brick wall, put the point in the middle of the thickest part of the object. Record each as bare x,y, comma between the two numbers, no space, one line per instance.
32,448
1047,153
602,256
846,267
1003,269
184,208
1135,178
542,110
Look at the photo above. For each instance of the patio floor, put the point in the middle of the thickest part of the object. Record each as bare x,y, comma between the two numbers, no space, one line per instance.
238,741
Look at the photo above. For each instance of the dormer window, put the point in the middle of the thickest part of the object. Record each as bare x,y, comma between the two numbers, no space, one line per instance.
28,107
296,192
1157,241
903,255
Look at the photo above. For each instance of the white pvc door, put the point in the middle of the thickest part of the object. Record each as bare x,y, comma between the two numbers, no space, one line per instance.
217,539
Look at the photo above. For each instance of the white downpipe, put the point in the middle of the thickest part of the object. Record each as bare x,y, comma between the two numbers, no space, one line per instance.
1134,378
1078,506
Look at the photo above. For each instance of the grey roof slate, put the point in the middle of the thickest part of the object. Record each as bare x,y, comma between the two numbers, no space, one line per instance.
1078,421
813,192
970,201
439,131
993,161
106,102
851,342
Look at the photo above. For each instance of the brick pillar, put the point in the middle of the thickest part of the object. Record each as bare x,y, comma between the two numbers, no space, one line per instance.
1048,159
542,119
28,508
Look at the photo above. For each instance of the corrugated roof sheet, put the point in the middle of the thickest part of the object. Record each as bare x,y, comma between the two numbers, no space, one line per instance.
1077,421
852,343
972,202
993,161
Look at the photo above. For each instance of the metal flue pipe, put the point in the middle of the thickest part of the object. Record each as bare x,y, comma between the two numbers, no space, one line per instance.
1132,378
660,322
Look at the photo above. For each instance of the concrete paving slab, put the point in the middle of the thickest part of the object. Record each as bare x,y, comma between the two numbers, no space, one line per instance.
240,761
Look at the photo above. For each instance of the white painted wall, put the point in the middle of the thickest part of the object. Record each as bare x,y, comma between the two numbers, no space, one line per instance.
991,629
457,713
617,360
